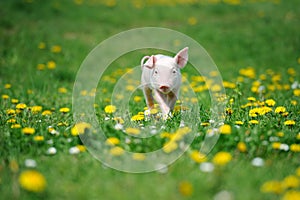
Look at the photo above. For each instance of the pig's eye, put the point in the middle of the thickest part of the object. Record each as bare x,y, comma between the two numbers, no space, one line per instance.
174,71
155,72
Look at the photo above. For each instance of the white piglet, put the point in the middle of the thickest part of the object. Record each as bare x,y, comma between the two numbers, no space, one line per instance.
161,79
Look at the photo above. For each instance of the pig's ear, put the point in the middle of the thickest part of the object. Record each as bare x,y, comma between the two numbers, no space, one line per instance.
150,62
182,57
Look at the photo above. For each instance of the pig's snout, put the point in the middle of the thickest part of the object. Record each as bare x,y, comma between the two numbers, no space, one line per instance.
164,88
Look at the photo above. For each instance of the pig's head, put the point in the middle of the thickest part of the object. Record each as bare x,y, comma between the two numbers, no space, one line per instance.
165,73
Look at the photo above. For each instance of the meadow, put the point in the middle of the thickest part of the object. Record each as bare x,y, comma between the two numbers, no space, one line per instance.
254,43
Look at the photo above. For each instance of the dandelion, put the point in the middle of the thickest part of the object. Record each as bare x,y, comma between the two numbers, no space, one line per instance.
32,181
289,123
40,66
21,106
80,128
170,146
36,109
222,158
110,109
225,129
291,195
276,145
51,64
14,101
56,49
15,126
272,187
64,110
112,141
253,122
7,86
295,147
185,188
241,146
28,131
116,151
42,45
38,138
197,156
290,182
280,109
137,98
46,112
11,121
239,122
296,92
138,156
62,90
192,21
132,131
270,102
137,118
251,99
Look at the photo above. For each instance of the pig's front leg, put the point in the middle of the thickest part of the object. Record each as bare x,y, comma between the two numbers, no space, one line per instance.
162,101
149,98
172,98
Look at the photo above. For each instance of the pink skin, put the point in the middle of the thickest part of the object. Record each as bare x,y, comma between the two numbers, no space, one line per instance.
161,79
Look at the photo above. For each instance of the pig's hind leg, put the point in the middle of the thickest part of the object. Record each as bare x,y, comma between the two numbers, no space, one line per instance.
149,97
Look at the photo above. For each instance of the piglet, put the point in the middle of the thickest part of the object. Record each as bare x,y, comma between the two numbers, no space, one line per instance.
161,79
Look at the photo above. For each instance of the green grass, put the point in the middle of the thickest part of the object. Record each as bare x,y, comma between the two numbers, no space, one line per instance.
261,34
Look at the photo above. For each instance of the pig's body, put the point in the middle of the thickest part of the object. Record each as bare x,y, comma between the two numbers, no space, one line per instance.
161,80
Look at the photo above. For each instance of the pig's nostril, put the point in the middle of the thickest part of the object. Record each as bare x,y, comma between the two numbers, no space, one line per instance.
163,87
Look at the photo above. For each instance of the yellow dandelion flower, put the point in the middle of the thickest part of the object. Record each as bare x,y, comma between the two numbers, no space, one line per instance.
137,118
38,138
197,156
192,21
251,99
295,147
205,124
272,187
298,136
185,188
270,102
21,106
40,66
12,121
170,146
137,98
14,101
290,182
81,148
289,123
28,130
280,109
46,112
42,45
239,122
130,88
132,131
241,146
225,129
32,181
276,145
80,128
248,72
112,141
280,134
15,126
7,86
298,171
138,156
291,194
253,122
153,111
109,109
51,64
296,92
64,110
62,90
294,102
222,158
116,151
36,109
56,49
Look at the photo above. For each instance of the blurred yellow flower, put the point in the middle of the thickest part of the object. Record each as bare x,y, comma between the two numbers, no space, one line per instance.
272,187
42,45
290,182
56,49
241,146
62,90
36,109
132,131
291,195
289,123
21,106
109,109
116,151
280,109
239,122
185,188
276,145
295,147
38,138
112,141
41,66
28,130
198,157
64,110
170,146
32,181
192,21
297,92
270,102
46,112
225,129
15,126
137,118
80,128
51,64
138,156
14,101
222,158
137,98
